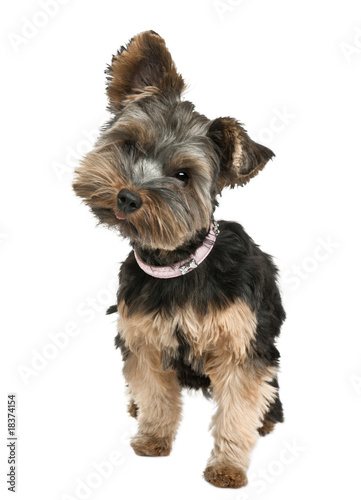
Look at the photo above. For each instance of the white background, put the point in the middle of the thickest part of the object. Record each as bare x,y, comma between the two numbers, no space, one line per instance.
254,60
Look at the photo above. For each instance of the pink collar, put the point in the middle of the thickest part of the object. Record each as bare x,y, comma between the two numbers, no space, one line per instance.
185,266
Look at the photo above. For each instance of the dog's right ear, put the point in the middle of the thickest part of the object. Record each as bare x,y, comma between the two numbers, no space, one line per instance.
144,66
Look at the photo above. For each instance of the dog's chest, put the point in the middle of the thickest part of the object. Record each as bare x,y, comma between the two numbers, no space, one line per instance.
187,331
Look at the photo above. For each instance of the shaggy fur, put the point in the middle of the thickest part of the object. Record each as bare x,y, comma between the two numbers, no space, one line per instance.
154,175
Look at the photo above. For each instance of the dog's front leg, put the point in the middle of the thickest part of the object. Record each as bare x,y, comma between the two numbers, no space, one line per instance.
157,395
243,393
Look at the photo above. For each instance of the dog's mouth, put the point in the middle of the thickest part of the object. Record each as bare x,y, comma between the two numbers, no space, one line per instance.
119,217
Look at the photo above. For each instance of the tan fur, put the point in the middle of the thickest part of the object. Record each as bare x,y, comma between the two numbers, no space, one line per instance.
242,157
222,338
157,396
129,70
136,126
243,396
132,409
152,137
156,220
232,328
266,428
98,180
150,91
225,476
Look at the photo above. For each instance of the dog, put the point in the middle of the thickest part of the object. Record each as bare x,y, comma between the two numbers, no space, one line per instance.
198,301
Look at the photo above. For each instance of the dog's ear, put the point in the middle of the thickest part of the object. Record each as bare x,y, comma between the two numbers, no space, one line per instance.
240,157
143,67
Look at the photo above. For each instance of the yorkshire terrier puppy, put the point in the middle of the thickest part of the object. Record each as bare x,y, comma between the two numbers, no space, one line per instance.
198,301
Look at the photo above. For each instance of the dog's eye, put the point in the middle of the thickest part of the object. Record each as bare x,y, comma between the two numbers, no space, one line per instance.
182,176
129,146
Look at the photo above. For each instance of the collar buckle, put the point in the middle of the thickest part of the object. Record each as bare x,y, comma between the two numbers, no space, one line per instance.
188,266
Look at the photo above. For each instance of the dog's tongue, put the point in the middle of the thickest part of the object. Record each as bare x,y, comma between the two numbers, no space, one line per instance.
119,216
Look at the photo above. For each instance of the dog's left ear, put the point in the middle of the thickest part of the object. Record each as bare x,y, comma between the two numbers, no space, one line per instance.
143,67
240,157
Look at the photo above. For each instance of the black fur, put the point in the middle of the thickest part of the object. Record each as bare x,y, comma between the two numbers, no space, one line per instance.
112,309
120,343
189,376
275,411
154,140
236,268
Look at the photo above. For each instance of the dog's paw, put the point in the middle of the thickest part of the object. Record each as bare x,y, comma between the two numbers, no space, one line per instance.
266,428
133,409
225,476
150,446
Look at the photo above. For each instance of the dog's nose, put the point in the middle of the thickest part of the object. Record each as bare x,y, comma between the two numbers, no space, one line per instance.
128,201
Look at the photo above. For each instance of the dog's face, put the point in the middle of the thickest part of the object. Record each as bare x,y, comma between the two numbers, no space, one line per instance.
158,166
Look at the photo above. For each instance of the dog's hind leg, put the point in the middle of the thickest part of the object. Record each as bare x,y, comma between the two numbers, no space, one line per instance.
274,413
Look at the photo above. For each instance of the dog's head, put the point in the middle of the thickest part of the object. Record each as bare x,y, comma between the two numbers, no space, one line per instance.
158,166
